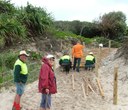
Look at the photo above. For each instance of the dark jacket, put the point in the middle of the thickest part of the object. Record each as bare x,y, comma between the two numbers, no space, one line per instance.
47,78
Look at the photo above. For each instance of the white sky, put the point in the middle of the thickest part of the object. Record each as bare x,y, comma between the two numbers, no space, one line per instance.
83,10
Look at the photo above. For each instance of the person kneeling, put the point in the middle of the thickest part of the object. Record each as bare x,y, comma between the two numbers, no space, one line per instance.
90,61
65,62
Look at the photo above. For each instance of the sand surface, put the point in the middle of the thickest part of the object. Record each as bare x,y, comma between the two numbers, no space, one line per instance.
68,98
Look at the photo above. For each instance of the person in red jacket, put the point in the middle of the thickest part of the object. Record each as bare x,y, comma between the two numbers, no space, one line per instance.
47,82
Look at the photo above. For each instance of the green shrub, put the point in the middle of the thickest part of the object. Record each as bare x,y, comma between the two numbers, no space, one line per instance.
63,35
10,60
35,55
2,42
102,40
1,79
7,60
1,61
105,42
86,40
115,44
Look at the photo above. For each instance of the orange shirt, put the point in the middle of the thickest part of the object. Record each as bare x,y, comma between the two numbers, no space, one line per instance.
77,50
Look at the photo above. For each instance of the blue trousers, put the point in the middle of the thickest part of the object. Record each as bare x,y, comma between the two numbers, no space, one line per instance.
45,101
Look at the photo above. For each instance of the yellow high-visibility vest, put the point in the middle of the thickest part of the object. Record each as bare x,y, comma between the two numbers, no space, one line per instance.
89,57
65,57
24,69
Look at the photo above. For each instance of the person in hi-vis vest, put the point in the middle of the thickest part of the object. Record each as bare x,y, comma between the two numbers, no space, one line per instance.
65,62
90,61
20,78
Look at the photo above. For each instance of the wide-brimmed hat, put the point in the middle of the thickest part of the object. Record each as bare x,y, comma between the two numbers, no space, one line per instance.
91,53
23,52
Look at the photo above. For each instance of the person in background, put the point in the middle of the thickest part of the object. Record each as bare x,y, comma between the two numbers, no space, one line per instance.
20,78
77,53
65,62
90,61
47,82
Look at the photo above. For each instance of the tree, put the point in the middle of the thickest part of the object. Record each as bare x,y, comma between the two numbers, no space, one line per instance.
62,25
126,32
76,27
113,25
90,30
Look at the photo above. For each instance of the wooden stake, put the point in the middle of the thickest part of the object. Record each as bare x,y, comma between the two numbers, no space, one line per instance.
83,90
109,45
96,69
70,52
98,61
86,86
91,88
84,46
100,88
115,88
100,51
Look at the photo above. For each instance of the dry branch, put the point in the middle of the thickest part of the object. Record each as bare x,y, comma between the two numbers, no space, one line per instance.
88,85
83,90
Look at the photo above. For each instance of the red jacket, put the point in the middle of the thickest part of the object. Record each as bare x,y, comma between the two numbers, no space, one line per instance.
47,78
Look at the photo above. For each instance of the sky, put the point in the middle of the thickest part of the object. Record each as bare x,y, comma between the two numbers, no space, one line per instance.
83,10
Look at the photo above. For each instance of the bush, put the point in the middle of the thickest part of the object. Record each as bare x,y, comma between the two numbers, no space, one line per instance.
105,42
86,40
115,44
62,34
7,60
102,40
10,60
2,42
35,55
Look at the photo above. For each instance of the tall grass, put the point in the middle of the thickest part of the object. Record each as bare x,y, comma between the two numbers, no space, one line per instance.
7,60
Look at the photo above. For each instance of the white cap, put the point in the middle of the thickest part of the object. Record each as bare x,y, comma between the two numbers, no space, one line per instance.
50,56
23,52
91,53
100,45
